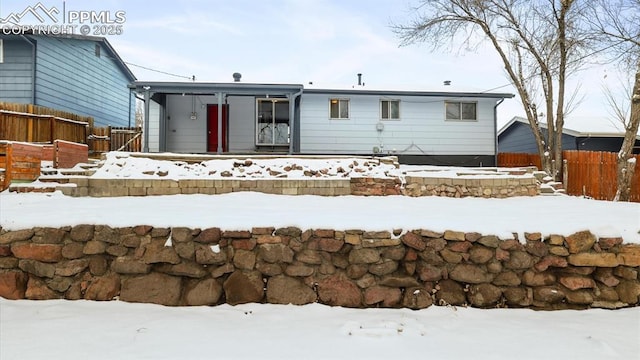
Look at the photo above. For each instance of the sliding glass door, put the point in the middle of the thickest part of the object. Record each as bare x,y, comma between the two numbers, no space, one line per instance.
272,122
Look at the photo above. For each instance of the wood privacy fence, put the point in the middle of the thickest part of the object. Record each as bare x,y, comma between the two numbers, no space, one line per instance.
115,139
589,173
37,128
518,160
37,124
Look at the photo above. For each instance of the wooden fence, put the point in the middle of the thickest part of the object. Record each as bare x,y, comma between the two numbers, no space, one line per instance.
34,128
37,124
589,173
518,160
115,139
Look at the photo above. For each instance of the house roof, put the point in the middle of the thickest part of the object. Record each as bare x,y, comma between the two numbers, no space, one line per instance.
112,52
174,87
243,87
583,126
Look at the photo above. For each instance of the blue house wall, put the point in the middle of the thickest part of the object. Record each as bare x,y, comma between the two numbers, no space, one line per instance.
518,138
16,71
70,75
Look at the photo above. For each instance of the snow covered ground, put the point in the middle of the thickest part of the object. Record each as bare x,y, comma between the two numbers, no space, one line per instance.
115,330
561,215
59,329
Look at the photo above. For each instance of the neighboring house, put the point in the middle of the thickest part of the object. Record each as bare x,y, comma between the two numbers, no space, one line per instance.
578,133
78,74
422,127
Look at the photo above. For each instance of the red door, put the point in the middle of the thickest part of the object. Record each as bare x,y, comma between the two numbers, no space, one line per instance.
212,127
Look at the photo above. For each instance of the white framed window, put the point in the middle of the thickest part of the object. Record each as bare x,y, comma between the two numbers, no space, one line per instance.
461,111
1,51
338,108
390,109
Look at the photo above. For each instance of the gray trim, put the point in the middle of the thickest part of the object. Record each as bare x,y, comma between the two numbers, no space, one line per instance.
214,88
408,93
495,130
147,97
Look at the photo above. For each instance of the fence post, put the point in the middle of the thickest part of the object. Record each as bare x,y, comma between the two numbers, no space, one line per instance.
52,124
8,172
565,174
110,139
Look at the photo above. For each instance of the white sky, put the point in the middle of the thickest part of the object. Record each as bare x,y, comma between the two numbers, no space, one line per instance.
297,41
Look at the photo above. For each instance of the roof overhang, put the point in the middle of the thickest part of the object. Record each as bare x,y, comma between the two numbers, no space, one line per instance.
382,92
565,130
202,88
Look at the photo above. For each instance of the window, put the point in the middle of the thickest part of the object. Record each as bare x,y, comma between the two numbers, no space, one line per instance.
1,52
339,108
460,110
390,109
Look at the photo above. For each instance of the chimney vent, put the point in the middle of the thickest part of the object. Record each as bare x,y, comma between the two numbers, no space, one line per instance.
359,79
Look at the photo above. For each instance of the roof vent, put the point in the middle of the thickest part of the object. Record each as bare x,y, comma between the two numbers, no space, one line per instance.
360,79
447,82
237,76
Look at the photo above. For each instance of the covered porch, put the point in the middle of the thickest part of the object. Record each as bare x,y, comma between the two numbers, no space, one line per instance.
190,117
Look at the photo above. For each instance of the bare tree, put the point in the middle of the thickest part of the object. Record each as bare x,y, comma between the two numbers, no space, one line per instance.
615,24
540,43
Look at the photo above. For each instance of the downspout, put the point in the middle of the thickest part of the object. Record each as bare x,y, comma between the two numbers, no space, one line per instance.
292,119
495,132
33,68
130,96
147,96
220,95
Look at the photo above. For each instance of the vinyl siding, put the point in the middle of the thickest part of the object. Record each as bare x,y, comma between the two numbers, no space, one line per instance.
242,123
16,72
154,126
184,134
518,138
421,129
71,77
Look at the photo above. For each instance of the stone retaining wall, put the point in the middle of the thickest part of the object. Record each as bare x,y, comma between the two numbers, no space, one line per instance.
353,268
494,187
362,186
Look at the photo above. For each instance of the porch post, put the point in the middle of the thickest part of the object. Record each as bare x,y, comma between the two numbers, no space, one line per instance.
147,99
220,120
292,107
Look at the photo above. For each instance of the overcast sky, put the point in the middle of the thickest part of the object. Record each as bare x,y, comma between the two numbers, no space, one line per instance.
298,41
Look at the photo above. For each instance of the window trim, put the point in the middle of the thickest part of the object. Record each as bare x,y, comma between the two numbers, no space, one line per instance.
475,103
389,118
1,51
348,108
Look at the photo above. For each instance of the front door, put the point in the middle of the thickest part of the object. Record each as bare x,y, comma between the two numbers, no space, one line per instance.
212,127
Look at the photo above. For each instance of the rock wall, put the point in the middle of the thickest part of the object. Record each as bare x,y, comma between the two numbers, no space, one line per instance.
489,187
353,268
361,186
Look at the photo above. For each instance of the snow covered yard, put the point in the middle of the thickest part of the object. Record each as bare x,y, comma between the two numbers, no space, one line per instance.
107,330
60,329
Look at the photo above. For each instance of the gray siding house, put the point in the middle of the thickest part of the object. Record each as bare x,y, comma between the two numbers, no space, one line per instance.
78,74
589,134
420,127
